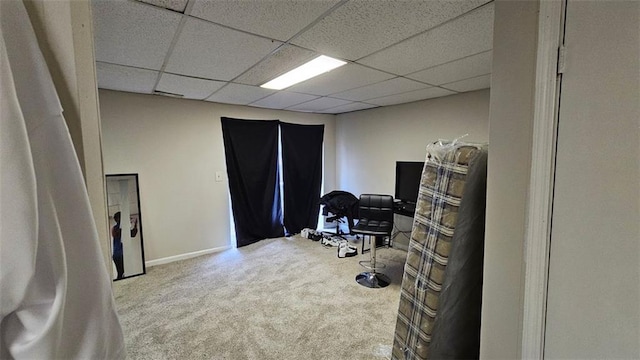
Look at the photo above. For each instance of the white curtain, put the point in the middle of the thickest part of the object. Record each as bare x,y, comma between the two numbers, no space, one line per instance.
55,295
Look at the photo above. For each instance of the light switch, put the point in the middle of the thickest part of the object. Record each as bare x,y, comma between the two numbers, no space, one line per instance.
219,176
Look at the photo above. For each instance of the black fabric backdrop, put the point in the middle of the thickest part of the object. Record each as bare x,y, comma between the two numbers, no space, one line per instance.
302,168
251,153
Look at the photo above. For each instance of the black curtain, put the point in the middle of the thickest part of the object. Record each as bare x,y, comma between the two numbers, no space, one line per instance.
302,167
251,153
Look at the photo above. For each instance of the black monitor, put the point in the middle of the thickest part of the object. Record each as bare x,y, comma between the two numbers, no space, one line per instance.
408,174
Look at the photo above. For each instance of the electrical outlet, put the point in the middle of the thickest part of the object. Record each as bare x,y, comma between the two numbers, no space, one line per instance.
219,176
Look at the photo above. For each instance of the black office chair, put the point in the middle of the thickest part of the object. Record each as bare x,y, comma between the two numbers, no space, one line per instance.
376,219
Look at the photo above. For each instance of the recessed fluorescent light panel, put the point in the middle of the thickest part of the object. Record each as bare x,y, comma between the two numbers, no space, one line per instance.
315,67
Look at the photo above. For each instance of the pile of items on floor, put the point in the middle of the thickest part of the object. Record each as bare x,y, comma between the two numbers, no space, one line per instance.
331,241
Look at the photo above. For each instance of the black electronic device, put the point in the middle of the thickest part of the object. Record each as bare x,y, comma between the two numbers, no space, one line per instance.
408,175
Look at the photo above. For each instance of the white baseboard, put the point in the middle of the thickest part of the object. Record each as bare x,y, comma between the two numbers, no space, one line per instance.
190,255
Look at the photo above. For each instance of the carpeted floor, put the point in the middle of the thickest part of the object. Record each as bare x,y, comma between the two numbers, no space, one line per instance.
285,298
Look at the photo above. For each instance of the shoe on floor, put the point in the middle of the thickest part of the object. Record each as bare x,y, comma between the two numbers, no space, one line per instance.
311,234
332,241
346,250
315,235
328,242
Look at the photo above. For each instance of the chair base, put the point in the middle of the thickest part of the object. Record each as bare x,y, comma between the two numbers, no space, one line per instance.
367,265
372,279
339,233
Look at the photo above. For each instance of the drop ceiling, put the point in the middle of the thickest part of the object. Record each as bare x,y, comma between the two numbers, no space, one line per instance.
398,51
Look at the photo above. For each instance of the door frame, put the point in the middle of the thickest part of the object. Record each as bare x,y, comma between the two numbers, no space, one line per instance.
543,154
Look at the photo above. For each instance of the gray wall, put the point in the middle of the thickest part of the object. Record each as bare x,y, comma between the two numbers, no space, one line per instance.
594,272
176,147
510,132
370,142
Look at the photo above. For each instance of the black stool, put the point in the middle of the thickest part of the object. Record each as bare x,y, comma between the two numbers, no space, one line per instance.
376,219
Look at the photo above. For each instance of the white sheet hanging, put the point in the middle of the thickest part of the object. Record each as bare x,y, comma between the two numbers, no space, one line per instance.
55,294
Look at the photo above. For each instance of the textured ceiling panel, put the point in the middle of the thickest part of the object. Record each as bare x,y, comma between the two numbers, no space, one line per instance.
213,52
123,78
467,35
465,68
282,99
400,47
429,93
476,83
361,27
277,19
343,78
239,94
286,58
383,88
191,88
319,104
175,5
132,33
355,106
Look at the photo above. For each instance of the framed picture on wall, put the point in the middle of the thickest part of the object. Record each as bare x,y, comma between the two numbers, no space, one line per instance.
125,226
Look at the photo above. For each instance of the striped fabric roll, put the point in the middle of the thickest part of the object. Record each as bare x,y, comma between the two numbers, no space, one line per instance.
441,190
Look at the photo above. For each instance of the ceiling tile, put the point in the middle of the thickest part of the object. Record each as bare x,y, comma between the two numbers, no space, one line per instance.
354,106
479,64
278,19
132,33
239,94
467,35
319,104
476,83
343,78
175,5
286,58
417,95
123,78
361,27
383,88
191,88
283,99
213,52
445,47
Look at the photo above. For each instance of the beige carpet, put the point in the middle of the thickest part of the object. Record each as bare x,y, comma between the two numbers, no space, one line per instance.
286,298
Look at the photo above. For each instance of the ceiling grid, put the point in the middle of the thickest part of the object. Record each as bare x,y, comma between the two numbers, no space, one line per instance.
221,51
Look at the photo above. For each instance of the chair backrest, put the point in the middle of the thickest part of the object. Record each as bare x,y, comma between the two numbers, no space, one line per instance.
376,207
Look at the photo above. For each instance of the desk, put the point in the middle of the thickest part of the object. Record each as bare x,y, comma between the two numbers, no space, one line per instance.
404,208
404,220
404,212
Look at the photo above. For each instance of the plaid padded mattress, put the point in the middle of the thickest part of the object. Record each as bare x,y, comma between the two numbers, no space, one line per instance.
442,187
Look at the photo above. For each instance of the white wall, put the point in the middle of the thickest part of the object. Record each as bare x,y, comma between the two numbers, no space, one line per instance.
593,308
369,142
510,139
176,147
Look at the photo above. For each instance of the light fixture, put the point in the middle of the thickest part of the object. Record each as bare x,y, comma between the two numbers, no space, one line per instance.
315,67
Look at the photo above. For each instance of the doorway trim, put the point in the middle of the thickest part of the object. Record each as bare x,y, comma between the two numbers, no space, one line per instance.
539,208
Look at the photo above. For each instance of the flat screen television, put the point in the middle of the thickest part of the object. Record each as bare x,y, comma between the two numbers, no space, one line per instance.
408,174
